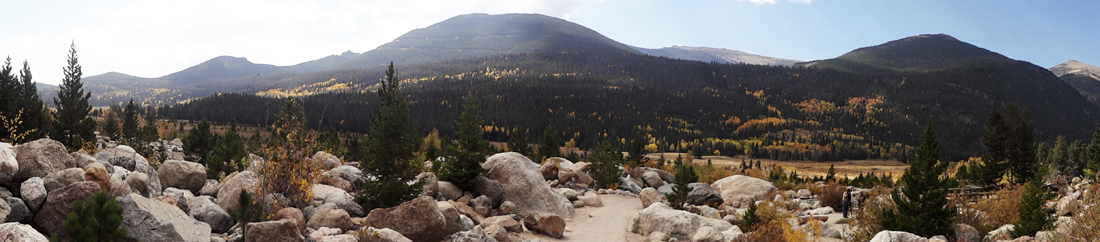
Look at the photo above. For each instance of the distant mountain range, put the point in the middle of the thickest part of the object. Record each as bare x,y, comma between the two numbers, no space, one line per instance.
535,71
1083,77
719,55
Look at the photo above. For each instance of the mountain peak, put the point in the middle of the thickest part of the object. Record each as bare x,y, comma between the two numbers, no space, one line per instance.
915,53
479,35
1076,67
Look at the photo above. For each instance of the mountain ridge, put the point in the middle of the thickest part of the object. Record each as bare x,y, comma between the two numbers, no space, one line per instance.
720,55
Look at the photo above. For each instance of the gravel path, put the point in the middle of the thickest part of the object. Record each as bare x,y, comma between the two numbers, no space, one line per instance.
607,223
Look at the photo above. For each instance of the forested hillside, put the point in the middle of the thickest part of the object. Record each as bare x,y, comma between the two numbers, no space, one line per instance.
766,111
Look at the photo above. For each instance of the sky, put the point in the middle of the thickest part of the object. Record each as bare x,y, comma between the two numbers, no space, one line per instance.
153,38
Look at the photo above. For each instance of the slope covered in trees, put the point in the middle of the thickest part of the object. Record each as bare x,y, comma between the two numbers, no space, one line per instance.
766,111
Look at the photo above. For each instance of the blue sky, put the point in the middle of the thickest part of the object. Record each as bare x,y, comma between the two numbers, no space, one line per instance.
152,38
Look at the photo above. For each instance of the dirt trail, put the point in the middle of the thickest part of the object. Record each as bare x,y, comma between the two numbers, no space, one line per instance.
607,223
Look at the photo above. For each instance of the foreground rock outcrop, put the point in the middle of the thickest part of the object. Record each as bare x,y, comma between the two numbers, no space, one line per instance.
678,224
147,219
523,184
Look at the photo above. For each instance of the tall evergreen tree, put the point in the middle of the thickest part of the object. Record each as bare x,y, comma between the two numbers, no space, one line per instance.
71,124
390,148
1034,214
199,142
1093,153
31,106
550,147
636,154
110,125
462,169
518,142
1009,149
8,97
922,207
605,165
227,154
130,120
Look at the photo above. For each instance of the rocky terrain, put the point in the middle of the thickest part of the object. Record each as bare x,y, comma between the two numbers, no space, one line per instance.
519,200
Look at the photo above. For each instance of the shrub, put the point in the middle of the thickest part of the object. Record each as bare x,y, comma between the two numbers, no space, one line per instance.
286,169
711,173
685,174
95,219
832,195
771,225
1000,208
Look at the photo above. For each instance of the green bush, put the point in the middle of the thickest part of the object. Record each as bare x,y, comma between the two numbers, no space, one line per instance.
605,163
95,219
249,212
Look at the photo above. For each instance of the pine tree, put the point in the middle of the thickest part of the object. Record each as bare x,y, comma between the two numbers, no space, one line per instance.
685,175
33,122
605,165
1034,215
1008,143
831,176
518,142
469,152
199,142
97,219
922,207
227,155
390,148
71,124
1093,153
550,147
9,94
111,125
636,154
249,212
130,120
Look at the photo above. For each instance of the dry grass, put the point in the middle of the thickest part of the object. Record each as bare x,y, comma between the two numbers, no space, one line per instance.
850,168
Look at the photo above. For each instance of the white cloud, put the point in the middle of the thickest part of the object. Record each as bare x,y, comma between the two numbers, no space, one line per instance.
758,2
152,38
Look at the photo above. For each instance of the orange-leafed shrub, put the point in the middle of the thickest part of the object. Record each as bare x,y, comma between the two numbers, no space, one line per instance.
832,195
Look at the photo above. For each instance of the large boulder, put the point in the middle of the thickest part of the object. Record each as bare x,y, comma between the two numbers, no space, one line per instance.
591,199
383,235
628,184
97,172
149,220
737,187
33,192
649,196
229,193
292,213
523,184
20,232
448,191
331,218
117,186
5,210
348,173
210,188
504,221
81,159
490,188
61,178
452,220
204,209
181,197
183,175
8,164
139,183
678,224
325,160
40,158
702,193
897,236
652,179
19,211
285,230
545,223
418,220
473,235
323,194
431,184
1002,233
59,204
154,187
